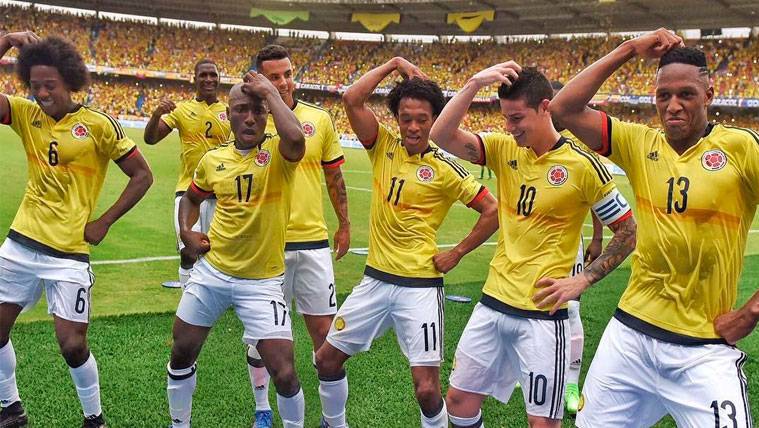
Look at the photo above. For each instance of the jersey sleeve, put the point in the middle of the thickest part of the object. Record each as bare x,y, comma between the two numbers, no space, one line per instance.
171,119
19,115
384,136
751,168
620,141
114,142
467,190
200,180
332,152
493,145
600,191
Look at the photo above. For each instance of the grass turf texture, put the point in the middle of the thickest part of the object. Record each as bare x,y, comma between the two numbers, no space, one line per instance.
131,331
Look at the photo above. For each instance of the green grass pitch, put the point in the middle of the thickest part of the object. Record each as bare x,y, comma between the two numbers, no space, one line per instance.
130,333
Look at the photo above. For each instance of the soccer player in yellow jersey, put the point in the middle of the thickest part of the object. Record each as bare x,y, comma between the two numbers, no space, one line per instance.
415,185
547,184
68,148
242,261
202,123
668,349
309,277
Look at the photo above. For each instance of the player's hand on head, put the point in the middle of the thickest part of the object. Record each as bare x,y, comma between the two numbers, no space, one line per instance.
553,293
505,72
95,231
656,43
446,260
257,84
21,38
734,325
408,70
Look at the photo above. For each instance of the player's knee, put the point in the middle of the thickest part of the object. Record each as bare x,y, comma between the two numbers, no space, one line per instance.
428,396
326,364
74,350
285,380
459,404
183,353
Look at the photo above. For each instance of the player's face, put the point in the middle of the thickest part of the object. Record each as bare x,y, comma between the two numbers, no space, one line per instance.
280,73
524,122
247,117
207,80
682,97
415,121
49,90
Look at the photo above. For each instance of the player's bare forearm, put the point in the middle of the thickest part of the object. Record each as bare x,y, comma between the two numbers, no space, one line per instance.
337,194
189,209
446,132
140,180
620,246
484,228
152,134
292,142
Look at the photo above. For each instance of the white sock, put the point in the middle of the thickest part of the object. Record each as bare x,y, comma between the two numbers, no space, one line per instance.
576,342
475,422
292,410
438,421
184,276
8,388
87,386
334,395
180,387
259,380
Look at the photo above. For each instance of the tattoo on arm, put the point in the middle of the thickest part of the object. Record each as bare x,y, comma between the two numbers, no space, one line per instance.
338,195
620,246
472,152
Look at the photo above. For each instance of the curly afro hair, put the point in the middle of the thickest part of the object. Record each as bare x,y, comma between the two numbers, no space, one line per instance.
54,52
419,89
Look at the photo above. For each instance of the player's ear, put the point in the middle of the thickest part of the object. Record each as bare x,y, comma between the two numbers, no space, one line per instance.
543,106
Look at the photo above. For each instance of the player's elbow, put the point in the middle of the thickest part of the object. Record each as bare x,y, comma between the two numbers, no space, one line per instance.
351,98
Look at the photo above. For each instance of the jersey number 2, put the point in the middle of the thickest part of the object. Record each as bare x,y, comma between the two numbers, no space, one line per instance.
208,130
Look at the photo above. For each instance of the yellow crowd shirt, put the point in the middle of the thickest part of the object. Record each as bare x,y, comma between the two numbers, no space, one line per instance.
307,228
67,161
201,127
693,212
543,202
411,196
253,192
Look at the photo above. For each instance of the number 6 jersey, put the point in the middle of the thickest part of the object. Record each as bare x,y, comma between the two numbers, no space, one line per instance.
542,204
693,211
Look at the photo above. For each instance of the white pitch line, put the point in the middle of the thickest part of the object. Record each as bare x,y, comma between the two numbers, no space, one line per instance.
137,260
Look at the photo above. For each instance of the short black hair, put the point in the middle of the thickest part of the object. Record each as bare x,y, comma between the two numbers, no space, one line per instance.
531,84
270,52
58,53
204,61
685,55
556,85
419,89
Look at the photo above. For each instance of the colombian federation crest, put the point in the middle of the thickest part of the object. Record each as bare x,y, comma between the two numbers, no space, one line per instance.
79,131
263,157
339,323
714,160
425,174
557,175
309,130
223,116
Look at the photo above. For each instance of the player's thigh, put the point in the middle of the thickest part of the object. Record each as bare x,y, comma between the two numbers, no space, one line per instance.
619,388
260,305
707,386
205,297
314,283
70,300
542,348
363,316
485,362
418,318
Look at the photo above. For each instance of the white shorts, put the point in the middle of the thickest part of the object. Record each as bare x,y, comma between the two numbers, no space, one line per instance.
309,278
497,350
634,380
207,208
258,303
415,313
67,283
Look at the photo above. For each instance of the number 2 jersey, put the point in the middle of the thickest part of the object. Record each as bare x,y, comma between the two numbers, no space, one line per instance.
693,211
253,195
543,203
411,195
67,161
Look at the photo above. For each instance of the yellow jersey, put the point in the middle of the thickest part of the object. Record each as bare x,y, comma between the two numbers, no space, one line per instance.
543,202
411,196
201,127
694,211
253,192
307,229
67,161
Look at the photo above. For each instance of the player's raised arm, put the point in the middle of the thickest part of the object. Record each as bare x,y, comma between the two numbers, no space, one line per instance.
156,129
362,119
446,131
292,142
8,41
485,227
570,105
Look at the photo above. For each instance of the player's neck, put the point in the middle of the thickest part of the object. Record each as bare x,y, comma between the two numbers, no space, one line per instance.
208,99
69,108
682,145
546,141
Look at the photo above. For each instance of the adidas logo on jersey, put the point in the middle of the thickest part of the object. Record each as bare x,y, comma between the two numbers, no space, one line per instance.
221,167
513,164
654,156
192,114
37,124
390,155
